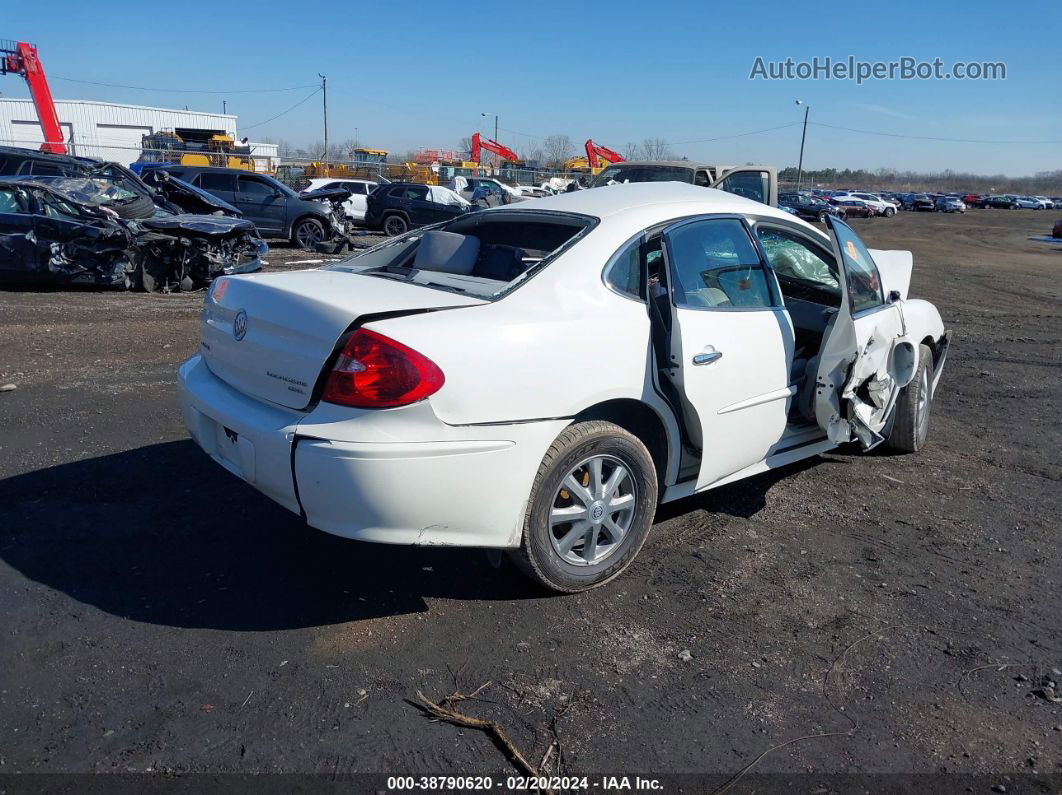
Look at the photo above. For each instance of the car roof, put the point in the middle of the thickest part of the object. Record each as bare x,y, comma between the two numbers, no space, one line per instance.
657,201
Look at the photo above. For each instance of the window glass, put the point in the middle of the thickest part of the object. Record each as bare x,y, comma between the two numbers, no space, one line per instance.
209,181
753,185
357,188
253,187
864,285
715,264
40,168
416,192
701,178
9,202
624,273
804,270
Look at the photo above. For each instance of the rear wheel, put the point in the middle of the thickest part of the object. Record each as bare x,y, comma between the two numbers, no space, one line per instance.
395,225
308,233
911,429
590,509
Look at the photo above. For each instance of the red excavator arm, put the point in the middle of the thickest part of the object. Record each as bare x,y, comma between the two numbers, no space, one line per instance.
504,152
593,152
21,58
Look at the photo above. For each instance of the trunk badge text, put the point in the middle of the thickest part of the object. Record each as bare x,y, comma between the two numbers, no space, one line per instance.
239,325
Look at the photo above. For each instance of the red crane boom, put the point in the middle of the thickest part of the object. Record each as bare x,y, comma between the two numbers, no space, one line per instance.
21,58
594,151
504,152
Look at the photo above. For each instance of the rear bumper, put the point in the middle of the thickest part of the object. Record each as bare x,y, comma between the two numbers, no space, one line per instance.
395,477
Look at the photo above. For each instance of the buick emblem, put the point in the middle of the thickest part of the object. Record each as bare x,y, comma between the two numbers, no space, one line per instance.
239,325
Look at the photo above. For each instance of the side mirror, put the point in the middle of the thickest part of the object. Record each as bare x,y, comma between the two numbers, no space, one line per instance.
894,296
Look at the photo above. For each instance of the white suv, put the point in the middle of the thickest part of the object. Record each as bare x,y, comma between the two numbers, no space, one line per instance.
354,207
882,206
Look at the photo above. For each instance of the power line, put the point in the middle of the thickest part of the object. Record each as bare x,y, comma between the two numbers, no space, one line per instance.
182,90
282,113
735,135
927,137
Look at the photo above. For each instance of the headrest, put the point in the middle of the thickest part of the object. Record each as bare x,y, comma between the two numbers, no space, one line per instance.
446,252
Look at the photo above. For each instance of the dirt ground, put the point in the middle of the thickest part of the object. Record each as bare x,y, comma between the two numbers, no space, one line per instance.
875,614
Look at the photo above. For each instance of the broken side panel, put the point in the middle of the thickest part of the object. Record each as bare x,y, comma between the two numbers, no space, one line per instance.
865,357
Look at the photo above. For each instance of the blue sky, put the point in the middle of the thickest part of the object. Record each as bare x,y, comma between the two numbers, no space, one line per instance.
411,74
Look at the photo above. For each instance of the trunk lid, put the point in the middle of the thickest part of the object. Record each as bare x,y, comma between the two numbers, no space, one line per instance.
269,335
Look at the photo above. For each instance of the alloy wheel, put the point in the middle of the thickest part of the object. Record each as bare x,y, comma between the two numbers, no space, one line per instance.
593,510
309,234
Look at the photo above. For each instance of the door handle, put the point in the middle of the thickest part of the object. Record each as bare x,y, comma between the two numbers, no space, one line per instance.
707,358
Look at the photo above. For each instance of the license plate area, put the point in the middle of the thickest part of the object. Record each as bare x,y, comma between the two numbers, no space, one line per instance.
234,451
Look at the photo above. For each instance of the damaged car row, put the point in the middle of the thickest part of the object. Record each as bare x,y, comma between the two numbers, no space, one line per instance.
73,220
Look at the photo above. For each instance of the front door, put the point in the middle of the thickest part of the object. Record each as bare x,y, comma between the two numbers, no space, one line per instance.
261,203
866,357
731,344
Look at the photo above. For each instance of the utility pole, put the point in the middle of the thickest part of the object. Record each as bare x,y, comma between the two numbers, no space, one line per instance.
324,96
803,136
225,106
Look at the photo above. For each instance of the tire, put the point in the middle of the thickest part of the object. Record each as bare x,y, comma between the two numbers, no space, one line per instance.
394,225
141,207
571,459
822,217
890,212
911,428
307,233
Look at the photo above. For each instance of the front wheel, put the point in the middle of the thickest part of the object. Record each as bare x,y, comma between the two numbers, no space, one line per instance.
890,212
822,217
308,233
590,508
911,429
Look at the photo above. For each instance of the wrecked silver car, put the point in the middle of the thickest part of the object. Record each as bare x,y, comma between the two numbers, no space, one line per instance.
78,230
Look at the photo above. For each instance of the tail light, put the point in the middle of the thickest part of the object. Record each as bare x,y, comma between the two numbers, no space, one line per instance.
375,372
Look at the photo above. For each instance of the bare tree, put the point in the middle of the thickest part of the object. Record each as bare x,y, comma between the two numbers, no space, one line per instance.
630,152
557,148
465,146
657,149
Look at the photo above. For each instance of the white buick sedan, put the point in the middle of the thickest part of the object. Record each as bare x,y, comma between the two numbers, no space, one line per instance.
539,377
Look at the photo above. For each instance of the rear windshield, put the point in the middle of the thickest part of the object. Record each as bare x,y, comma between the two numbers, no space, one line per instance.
484,254
642,173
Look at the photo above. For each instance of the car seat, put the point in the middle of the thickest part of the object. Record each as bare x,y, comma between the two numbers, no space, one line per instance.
447,252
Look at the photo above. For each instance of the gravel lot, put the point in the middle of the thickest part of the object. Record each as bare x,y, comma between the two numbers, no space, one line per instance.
159,614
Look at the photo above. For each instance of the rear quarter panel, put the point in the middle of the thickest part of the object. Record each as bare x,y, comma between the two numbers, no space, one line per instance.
554,346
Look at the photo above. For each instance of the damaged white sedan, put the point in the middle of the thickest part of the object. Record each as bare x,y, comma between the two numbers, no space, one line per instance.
539,377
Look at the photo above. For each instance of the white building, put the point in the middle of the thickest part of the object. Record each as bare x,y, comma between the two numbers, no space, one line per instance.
111,131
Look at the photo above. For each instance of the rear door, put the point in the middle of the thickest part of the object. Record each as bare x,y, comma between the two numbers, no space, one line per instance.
218,183
731,344
865,357
759,183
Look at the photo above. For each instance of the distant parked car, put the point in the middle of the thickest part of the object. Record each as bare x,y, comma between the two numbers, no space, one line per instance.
950,204
923,202
354,207
275,209
972,199
1051,203
759,183
533,191
886,208
999,203
810,208
854,208
401,206
1031,203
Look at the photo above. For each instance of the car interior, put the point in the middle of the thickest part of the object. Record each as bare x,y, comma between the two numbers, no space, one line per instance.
481,254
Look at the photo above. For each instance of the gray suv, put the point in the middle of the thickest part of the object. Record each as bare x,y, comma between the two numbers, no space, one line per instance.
274,208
